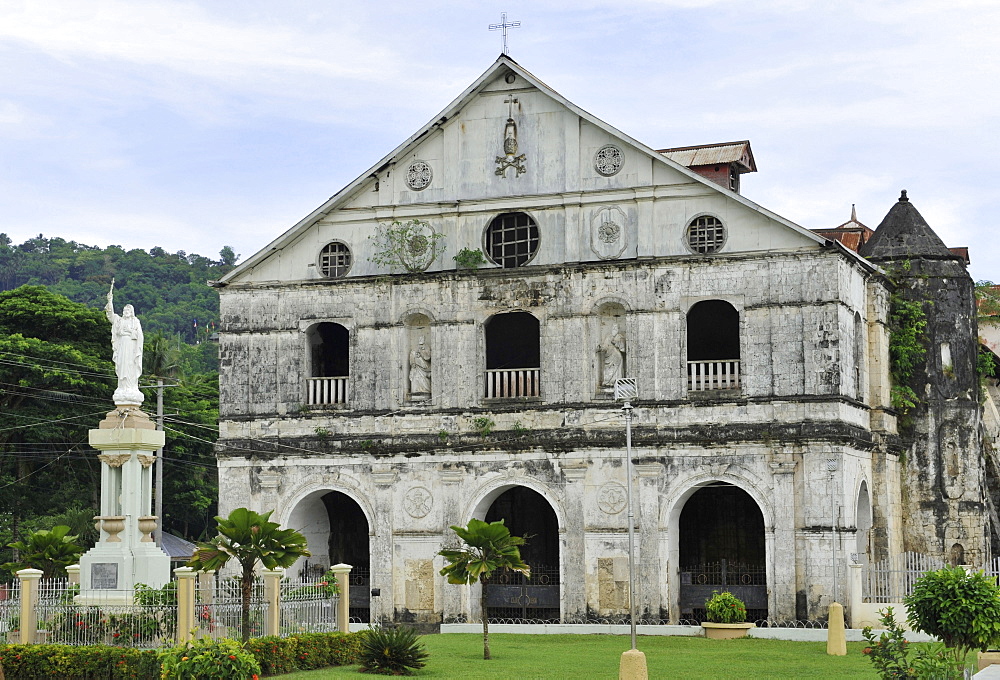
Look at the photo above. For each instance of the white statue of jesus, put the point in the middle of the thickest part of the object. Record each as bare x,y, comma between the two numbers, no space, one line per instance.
126,342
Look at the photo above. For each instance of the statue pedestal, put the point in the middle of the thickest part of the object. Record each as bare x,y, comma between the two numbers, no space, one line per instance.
125,554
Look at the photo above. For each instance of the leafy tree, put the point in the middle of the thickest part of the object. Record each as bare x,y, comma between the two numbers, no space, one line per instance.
487,548
959,608
51,551
249,538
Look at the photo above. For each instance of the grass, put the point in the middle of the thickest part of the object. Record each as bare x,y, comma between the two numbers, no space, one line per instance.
597,656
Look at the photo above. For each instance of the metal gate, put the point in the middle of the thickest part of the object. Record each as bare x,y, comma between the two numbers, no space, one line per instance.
748,582
360,597
512,596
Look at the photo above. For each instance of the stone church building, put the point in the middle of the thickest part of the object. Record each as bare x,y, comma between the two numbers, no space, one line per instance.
440,340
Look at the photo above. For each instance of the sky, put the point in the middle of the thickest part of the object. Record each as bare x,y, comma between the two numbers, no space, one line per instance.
196,125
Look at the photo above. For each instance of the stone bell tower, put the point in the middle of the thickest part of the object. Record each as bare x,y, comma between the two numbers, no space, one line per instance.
943,473
127,440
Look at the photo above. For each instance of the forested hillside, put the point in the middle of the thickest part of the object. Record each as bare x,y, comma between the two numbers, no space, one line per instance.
168,290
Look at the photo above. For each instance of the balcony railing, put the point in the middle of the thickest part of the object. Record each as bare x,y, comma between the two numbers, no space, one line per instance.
713,375
327,390
511,383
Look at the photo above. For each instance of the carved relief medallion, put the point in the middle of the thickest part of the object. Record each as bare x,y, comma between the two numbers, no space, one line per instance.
418,502
419,175
608,160
611,499
417,252
608,234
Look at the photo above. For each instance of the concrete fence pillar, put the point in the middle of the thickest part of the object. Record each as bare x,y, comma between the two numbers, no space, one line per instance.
855,573
73,573
343,572
272,596
29,598
185,603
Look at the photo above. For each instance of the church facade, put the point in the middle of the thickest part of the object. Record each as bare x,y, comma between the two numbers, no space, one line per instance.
441,339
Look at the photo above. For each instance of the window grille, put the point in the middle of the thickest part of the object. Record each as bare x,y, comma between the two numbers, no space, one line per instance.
511,240
335,260
706,234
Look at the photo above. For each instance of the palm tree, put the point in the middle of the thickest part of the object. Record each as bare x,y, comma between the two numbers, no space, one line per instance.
488,547
249,537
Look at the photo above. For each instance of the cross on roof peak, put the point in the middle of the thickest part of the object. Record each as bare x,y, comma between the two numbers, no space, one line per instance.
503,26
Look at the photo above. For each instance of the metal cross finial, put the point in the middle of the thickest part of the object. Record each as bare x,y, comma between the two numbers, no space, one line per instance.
503,26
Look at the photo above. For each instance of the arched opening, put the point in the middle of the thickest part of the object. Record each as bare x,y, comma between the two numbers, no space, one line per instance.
526,513
419,358
513,356
721,547
330,363
713,346
337,532
864,525
859,357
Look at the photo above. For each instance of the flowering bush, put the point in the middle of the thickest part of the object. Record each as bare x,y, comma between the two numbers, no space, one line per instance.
208,659
725,607
28,662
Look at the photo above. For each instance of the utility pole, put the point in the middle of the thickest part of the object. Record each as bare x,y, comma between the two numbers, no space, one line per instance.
158,508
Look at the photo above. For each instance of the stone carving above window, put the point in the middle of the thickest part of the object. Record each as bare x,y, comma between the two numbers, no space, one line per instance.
608,160
419,175
608,238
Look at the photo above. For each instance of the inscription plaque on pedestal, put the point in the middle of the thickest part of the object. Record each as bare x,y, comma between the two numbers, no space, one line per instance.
104,576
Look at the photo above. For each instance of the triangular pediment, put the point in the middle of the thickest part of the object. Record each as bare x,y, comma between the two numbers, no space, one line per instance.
509,142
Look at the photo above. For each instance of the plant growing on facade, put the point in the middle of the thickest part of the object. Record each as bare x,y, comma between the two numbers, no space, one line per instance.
907,349
959,608
487,548
469,258
483,425
249,538
49,550
409,246
392,651
725,607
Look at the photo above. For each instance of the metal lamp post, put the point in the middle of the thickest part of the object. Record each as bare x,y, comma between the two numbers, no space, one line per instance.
626,390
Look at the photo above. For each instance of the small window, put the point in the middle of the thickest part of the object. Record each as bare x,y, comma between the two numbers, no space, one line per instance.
706,234
335,260
511,239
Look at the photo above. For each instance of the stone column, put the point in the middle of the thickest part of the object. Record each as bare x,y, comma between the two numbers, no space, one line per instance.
343,572
648,568
854,584
73,574
783,585
125,553
272,596
573,549
451,479
29,599
185,603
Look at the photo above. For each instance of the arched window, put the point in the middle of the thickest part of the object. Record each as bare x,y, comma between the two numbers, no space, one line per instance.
859,357
713,346
330,362
511,239
513,356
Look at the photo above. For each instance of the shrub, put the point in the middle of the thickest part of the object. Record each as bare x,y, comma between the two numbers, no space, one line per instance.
725,607
276,655
30,662
392,651
305,651
208,659
890,654
469,258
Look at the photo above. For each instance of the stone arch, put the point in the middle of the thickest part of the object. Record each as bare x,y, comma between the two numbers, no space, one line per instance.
863,519
597,305
489,492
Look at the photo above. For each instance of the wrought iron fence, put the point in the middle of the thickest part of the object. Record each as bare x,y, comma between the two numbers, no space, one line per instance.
892,579
219,607
10,607
308,606
114,621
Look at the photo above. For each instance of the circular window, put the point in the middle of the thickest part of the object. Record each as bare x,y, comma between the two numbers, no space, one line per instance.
706,234
335,260
511,239
419,175
608,160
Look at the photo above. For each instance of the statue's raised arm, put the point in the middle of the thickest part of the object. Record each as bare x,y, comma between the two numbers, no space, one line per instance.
126,343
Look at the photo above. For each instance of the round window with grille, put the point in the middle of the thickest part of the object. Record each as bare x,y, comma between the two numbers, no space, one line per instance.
335,260
511,239
706,234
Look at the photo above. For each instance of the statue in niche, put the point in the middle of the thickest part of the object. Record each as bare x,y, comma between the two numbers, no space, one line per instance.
612,352
126,345
420,371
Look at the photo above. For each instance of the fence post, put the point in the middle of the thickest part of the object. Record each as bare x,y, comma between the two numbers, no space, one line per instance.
185,603
29,598
73,573
343,572
855,572
272,590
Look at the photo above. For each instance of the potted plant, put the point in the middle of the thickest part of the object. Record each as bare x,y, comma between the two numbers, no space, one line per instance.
727,617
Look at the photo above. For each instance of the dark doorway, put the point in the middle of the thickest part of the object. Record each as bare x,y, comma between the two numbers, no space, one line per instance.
512,596
713,331
721,541
348,544
331,350
512,341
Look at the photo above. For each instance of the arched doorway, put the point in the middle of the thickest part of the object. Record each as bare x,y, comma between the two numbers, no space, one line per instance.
510,595
337,532
721,547
863,516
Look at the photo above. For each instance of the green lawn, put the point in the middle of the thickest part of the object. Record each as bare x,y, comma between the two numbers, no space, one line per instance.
596,656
